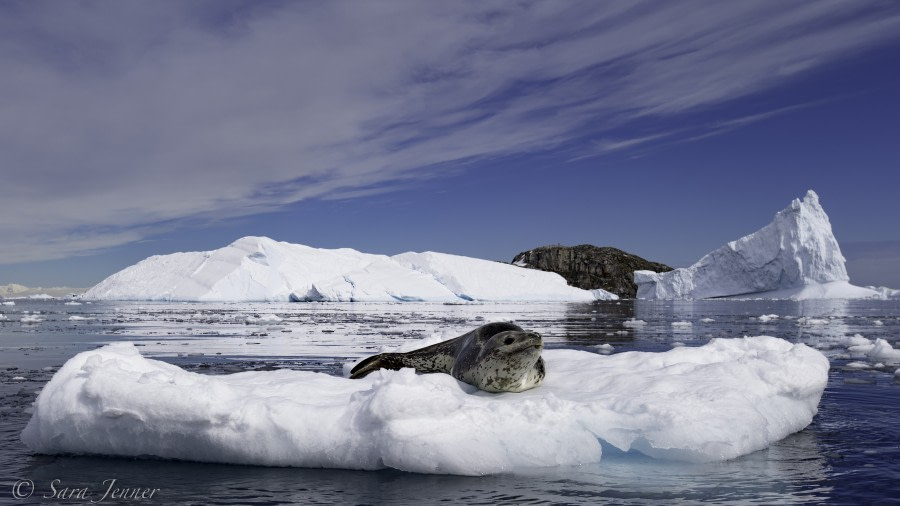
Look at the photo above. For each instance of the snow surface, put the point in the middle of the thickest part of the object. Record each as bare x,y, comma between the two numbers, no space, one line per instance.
796,257
727,398
261,269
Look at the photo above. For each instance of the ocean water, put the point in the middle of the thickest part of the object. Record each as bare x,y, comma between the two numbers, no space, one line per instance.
850,454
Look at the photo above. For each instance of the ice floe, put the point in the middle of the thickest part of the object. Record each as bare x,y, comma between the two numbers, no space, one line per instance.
718,401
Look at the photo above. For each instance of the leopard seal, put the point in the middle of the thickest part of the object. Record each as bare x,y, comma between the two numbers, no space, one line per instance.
497,357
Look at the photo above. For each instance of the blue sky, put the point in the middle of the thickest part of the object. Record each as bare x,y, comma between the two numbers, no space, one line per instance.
477,128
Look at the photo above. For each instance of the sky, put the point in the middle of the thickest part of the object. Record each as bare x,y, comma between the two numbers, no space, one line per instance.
134,128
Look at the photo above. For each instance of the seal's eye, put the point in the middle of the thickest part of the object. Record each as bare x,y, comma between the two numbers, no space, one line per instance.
508,340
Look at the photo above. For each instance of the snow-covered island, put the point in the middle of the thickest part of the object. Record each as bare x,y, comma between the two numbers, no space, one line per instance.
261,269
795,256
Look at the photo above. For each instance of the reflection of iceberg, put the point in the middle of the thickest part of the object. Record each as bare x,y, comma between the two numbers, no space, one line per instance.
796,256
715,402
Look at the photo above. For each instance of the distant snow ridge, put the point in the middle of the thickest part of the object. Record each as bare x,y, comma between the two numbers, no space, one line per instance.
261,269
795,256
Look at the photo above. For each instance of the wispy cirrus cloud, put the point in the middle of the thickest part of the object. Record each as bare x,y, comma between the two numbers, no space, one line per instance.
122,117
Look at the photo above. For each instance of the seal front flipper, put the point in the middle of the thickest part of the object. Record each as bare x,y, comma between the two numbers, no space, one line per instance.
375,362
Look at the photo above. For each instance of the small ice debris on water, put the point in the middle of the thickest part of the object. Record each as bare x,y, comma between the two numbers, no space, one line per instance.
858,365
768,317
8,303
677,344
29,319
256,319
18,378
72,303
605,348
76,318
707,320
880,349
682,325
804,320
878,323
3,317
633,323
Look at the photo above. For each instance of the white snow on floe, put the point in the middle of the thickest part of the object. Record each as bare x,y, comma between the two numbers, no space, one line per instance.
261,269
8,303
767,318
30,319
796,256
632,322
727,398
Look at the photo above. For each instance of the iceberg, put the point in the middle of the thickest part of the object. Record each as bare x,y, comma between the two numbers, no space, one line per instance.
727,398
261,269
795,256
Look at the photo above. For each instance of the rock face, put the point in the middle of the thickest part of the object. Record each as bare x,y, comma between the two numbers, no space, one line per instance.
590,267
796,251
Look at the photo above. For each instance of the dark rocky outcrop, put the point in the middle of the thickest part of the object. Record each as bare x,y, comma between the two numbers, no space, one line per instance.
590,267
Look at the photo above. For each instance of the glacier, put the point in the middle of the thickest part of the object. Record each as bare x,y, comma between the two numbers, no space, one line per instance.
727,398
795,256
262,269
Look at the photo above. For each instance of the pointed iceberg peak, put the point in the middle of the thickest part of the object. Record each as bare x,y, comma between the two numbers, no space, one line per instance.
793,253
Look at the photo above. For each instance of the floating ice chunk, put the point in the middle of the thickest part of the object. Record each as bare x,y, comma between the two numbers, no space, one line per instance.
804,320
76,318
878,323
883,351
605,348
72,303
880,349
768,317
262,318
8,303
858,365
30,319
632,322
3,317
727,398
707,320
682,325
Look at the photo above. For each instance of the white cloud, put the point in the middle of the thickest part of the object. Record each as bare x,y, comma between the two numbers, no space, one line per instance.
120,116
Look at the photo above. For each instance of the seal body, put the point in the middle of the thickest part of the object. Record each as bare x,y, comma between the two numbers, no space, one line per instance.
497,357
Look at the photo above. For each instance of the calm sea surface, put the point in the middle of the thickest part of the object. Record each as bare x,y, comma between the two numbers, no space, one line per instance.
850,454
